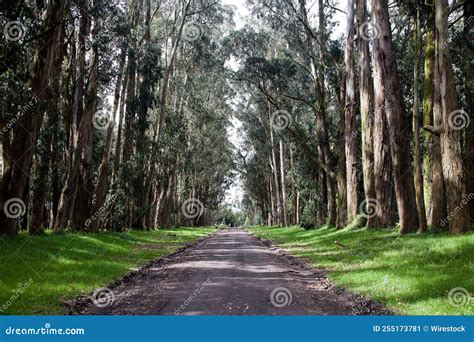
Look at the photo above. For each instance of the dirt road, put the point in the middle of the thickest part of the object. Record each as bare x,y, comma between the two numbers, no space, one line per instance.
230,273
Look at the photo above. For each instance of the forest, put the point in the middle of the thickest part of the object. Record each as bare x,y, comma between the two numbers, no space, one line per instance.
115,115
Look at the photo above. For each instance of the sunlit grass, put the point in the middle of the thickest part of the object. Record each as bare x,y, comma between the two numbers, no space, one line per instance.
411,274
38,273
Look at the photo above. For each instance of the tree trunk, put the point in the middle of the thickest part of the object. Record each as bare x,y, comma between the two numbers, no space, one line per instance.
169,69
275,175
433,178
103,181
366,110
350,133
420,198
294,197
38,217
47,67
326,204
68,194
283,184
382,159
398,125
341,162
83,202
323,131
128,135
118,143
469,86
453,171
272,201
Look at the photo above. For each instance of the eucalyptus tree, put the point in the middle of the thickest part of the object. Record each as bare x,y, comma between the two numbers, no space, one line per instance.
48,55
394,111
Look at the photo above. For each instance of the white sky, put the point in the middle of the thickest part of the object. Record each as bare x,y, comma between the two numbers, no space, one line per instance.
241,11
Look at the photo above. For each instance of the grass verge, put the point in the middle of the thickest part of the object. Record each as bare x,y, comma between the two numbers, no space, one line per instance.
412,274
39,272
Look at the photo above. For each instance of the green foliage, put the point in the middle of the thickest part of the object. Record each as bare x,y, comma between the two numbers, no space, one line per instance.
228,217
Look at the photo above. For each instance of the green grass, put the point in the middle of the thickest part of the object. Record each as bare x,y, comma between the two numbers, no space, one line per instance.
38,273
412,274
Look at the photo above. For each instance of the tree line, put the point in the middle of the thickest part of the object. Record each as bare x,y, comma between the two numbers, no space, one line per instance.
372,126
111,114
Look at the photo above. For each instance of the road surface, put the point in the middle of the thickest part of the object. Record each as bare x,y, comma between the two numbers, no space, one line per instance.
230,273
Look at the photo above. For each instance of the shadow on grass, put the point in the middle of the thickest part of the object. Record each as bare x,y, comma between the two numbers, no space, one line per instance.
412,274
38,272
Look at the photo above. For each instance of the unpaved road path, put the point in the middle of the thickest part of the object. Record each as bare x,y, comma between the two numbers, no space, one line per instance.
229,273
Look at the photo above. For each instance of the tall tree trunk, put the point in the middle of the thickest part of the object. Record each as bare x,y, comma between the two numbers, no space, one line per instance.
382,159
118,142
169,69
38,217
159,124
104,172
323,131
341,161
297,210
131,103
453,171
469,86
145,96
432,157
46,160
366,110
420,198
68,193
283,183
350,133
398,125
47,67
272,201
85,191
326,204
275,175
294,199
